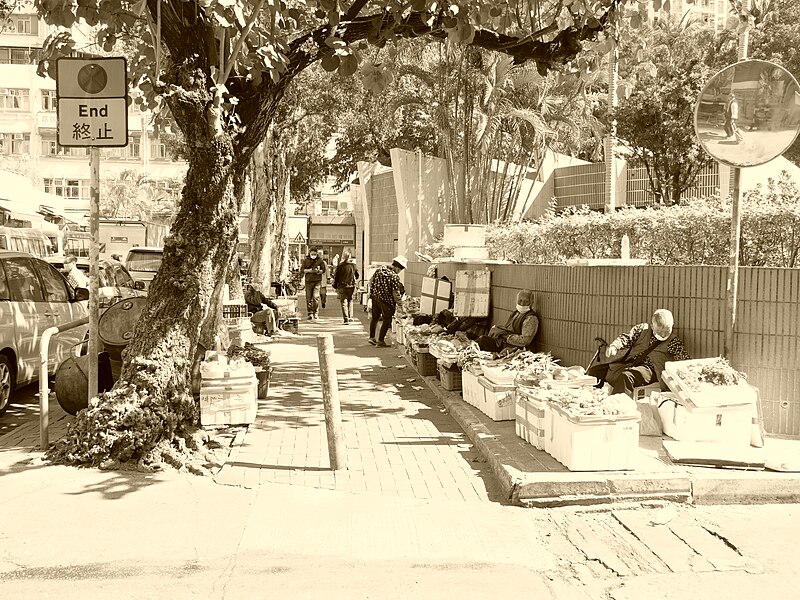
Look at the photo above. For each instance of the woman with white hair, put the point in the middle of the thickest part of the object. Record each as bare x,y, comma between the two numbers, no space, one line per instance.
638,357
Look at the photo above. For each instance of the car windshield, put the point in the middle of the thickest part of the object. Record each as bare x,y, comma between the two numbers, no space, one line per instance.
144,261
114,275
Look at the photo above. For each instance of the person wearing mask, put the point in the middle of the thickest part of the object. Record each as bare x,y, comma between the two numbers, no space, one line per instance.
637,358
75,277
344,282
313,270
518,332
385,291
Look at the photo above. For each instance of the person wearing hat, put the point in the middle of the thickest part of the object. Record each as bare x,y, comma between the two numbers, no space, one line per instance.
385,290
637,358
518,332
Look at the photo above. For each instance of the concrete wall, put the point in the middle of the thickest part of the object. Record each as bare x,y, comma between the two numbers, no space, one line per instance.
578,303
422,199
380,212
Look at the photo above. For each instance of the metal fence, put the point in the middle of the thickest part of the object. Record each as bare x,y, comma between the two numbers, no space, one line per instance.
578,303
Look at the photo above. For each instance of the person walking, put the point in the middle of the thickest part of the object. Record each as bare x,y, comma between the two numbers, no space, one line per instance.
344,282
385,290
313,270
731,116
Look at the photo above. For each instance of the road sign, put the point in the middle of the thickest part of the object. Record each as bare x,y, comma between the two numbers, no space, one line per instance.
92,102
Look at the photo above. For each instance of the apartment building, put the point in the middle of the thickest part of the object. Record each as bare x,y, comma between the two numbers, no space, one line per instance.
28,122
712,13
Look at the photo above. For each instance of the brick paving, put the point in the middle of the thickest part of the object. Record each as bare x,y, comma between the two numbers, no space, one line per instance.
399,439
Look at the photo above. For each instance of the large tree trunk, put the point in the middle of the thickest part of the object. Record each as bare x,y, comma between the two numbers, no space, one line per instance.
152,399
260,250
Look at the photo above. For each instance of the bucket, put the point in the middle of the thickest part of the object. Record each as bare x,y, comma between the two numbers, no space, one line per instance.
263,383
116,325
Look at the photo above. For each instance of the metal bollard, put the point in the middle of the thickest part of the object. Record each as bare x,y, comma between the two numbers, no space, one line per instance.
330,400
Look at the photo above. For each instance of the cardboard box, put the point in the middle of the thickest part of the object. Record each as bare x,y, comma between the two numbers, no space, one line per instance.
232,403
601,445
472,293
688,423
435,296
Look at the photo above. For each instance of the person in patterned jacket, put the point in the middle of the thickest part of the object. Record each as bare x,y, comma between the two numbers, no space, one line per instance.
638,357
385,290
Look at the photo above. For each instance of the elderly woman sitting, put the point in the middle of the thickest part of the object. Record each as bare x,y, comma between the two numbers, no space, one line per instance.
518,332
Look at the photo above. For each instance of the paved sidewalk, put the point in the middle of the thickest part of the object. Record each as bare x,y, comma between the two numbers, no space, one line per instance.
400,440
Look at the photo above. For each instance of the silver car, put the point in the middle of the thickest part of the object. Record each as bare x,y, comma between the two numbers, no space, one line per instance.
34,296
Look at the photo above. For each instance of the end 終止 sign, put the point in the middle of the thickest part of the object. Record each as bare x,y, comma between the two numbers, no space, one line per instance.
92,102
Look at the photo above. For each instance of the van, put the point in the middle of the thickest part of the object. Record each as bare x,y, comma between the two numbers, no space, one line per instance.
26,239
143,263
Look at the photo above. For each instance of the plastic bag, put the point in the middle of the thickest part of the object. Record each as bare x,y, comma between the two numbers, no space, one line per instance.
650,423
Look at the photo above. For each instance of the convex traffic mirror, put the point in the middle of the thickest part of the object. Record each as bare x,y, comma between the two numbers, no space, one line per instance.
748,113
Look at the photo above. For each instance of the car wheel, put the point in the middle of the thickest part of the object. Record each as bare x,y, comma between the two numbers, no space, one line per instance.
6,383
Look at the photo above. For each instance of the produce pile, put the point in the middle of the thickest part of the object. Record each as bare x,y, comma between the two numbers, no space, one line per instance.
471,356
421,334
250,353
719,373
449,345
408,306
591,402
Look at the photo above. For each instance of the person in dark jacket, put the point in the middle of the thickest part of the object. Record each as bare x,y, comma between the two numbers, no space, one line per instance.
637,358
314,270
344,282
518,332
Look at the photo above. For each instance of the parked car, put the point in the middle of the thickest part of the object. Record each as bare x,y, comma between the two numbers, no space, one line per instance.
114,281
143,263
34,296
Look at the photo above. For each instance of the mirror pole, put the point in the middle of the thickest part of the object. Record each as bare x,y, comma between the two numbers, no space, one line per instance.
736,227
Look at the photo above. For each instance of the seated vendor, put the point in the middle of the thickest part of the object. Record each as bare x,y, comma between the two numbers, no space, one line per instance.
264,312
518,332
637,358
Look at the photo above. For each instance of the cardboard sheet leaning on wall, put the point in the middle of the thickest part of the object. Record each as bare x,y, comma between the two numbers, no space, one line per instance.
472,293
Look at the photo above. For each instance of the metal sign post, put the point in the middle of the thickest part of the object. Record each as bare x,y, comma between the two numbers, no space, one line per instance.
93,112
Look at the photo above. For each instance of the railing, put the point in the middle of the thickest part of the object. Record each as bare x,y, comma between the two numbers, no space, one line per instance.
44,384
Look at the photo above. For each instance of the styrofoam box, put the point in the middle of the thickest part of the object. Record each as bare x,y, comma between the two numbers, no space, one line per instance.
498,400
607,445
708,394
464,235
499,375
476,252
686,423
229,404
471,390
531,420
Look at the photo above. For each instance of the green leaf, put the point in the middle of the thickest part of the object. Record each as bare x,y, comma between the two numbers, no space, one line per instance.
330,62
348,65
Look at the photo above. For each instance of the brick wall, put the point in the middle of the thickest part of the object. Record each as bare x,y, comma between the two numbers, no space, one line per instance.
383,217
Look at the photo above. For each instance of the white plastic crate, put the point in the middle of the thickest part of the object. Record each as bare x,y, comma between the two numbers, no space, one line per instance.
464,235
598,445
688,423
531,418
498,400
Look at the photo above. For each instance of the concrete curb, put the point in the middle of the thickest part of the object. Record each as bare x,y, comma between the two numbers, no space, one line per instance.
700,485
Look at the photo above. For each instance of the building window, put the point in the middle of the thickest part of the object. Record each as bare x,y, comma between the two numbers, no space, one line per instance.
20,56
134,147
20,143
14,99
71,189
49,100
23,25
158,150
49,148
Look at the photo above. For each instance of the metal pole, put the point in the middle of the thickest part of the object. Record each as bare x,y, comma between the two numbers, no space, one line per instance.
736,230
330,401
94,258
